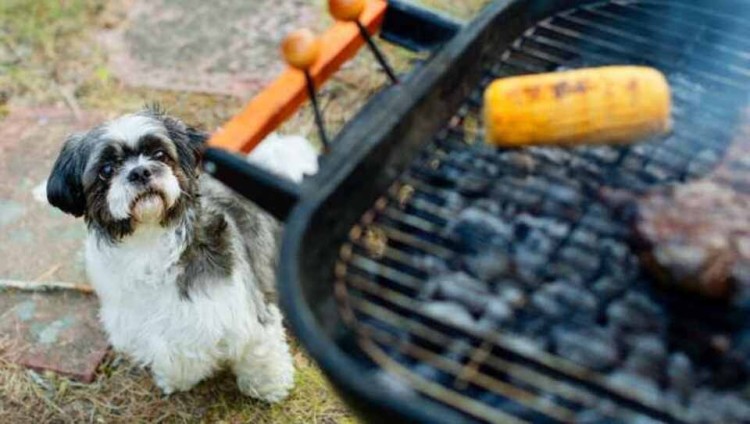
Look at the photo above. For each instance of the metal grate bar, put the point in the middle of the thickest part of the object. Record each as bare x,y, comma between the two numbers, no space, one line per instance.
627,55
387,282
577,396
634,39
700,13
635,21
508,344
463,403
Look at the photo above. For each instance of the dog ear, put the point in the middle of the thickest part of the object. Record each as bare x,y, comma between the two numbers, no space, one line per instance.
65,183
188,141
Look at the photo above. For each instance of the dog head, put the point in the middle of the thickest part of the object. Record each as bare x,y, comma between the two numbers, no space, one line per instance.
139,169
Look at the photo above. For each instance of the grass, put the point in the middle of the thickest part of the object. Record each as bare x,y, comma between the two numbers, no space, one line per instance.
48,56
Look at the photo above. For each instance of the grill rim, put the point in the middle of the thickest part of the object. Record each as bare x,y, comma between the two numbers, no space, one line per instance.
363,140
356,146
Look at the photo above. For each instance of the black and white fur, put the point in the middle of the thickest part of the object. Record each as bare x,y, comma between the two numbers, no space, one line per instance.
184,269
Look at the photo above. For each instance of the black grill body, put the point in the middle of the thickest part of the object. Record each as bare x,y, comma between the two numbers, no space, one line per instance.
353,269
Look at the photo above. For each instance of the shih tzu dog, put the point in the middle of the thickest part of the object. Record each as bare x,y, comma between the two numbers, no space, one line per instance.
184,269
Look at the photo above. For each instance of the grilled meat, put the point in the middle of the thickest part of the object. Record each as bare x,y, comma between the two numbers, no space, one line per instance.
699,233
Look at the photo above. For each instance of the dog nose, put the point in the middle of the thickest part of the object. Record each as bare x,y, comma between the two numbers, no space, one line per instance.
140,174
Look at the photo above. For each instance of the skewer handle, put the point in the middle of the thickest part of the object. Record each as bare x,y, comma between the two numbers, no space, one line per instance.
301,49
346,10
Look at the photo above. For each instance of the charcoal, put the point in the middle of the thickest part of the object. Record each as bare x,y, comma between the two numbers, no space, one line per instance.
498,312
552,155
551,226
609,286
529,265
605,154
460,281
562,298
489,265
453,201
451,313
635,313
586,261
585,237
647,357
511,294
656,173
488,205
644,387
614,249
475,230
680,375
463,289
473,187
591,348
703,162
520,160
544,257
547,304
431,265
591,416
717,407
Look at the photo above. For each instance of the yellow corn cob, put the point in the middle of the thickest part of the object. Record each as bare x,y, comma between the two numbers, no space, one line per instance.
614,104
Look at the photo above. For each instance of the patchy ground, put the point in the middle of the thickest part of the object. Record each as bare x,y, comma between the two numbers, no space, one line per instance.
65,64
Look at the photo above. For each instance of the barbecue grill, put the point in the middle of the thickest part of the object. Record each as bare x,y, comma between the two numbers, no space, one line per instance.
379,246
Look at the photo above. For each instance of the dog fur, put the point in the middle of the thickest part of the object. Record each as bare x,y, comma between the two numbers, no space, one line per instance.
183,268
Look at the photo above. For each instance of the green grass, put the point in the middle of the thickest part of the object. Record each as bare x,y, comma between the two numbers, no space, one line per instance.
49,56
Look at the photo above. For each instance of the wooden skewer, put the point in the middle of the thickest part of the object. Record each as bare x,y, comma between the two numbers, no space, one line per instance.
301,50
350,11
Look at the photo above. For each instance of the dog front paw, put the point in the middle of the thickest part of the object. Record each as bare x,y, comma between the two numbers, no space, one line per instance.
181,375
164,384
271,389
270,380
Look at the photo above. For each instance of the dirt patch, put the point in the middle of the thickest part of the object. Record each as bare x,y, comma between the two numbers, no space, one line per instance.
224,47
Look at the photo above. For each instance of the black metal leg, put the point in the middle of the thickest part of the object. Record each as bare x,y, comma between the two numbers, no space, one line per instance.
316,109
378,54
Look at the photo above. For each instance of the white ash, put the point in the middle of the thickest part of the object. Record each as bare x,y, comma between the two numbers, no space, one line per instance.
645,388
608,286
394,384
562,298
431,264
511,294
593,348
647,357
497,313
635,313
461,288
450,313
474,230
716,407
489,265
457,281
680,375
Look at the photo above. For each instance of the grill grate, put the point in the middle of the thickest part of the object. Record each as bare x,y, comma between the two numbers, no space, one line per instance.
501,369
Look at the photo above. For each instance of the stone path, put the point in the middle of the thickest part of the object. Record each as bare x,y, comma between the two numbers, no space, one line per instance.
223,46
38,243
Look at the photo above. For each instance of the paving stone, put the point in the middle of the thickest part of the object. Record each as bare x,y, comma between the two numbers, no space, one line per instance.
37,242
223,46
55,331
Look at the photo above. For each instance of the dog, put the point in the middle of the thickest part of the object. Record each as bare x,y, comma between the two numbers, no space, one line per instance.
183,268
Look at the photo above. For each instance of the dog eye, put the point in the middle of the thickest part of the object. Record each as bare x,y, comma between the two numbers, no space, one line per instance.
106,171
159,155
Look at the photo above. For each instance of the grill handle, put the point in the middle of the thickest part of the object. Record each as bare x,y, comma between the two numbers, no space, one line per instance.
275,195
